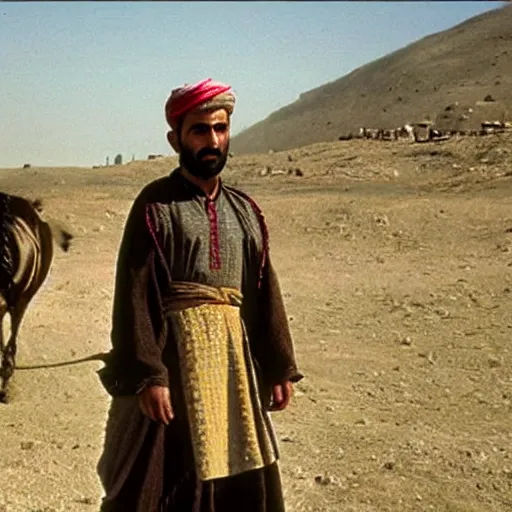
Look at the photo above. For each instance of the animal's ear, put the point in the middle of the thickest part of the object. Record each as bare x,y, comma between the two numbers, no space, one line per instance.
66,238
60,234
38,204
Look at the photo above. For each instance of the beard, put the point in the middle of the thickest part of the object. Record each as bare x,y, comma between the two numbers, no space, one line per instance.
200,168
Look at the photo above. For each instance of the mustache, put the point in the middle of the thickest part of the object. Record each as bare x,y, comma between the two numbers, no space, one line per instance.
208,151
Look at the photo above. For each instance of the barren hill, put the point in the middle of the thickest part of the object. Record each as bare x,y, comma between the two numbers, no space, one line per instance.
444,77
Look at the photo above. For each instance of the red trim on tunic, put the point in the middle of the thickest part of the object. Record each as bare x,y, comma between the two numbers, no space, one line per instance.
215,262
264,229
151,228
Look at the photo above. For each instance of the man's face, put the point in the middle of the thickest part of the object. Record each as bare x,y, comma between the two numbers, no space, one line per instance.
204,143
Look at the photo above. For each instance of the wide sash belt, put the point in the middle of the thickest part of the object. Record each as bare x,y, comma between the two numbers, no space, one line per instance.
185,294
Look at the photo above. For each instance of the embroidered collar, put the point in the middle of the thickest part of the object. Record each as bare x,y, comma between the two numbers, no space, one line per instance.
195,189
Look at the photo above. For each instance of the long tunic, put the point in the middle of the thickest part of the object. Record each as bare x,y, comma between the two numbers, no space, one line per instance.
174,233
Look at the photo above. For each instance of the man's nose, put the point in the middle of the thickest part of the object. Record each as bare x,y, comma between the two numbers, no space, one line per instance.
213,138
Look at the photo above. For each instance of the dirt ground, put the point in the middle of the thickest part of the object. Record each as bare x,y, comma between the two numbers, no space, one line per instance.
395,260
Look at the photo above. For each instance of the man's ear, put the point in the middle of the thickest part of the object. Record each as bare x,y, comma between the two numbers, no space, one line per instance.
172,137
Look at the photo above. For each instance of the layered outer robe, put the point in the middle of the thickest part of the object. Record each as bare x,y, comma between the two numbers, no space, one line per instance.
170,236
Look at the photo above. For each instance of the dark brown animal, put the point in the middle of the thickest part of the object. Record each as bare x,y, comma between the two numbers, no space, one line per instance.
26,254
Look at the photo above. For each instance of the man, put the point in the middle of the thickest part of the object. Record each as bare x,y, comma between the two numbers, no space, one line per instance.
201,348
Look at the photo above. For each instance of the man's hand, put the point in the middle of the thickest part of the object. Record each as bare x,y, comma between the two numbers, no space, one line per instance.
155,402
281,395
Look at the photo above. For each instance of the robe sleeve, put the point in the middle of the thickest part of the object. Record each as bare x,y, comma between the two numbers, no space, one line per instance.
274,350
138,332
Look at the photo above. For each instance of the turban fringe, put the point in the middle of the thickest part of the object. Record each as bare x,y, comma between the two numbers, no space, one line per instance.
205,95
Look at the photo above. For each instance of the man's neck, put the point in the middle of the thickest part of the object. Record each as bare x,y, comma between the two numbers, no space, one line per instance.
210,187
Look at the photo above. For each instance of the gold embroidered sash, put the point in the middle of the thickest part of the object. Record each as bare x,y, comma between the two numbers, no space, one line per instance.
229,430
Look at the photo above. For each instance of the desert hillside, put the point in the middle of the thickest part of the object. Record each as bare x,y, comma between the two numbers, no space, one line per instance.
445,77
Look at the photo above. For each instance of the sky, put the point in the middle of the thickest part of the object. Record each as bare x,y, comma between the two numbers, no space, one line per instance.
83,81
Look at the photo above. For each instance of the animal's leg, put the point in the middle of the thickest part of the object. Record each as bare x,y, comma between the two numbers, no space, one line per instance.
9,353
3,308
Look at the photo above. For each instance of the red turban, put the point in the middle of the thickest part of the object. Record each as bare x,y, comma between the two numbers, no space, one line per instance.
206,94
